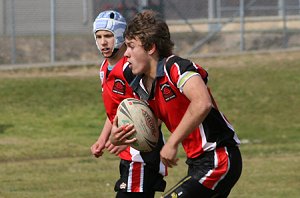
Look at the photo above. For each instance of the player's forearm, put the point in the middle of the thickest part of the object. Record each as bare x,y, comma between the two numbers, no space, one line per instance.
200,105
105,131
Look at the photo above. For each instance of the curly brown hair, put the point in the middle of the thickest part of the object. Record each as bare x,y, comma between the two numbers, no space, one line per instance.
150,28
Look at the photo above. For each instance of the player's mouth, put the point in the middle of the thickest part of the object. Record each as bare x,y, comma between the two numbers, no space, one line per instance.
105,50
129,65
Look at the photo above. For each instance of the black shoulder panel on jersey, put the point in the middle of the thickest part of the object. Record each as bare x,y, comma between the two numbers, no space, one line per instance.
129,76
184,64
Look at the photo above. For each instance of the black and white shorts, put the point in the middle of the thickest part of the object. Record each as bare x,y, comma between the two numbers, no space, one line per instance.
212,174
139,177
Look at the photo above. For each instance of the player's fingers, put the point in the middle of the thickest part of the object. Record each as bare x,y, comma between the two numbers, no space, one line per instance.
129,141
173,162
127,127
114,150
93,147
166,162
118,151
121,148
126,132
169,162
97,155
107,144
110,147
93,150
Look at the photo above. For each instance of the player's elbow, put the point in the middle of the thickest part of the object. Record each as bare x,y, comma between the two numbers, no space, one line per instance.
206,107
201,108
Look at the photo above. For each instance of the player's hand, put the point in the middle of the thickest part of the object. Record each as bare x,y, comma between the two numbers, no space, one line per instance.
120,134
97,148
116,150
168,155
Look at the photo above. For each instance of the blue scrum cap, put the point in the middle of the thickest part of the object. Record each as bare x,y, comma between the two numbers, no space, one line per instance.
111,21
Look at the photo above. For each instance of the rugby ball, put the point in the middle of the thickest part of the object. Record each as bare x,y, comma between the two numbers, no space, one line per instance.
136,112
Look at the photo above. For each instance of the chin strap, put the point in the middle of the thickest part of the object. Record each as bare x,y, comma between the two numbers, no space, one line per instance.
114,52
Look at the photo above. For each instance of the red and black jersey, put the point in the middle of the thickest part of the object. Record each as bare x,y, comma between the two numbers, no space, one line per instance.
114,90
169,104
114,86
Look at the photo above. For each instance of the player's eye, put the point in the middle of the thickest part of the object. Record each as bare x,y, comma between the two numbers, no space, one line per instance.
109,36
131,46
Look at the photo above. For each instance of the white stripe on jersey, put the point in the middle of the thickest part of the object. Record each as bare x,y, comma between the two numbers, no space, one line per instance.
135,155
125,65
207,146
129,182
235,137
142,178
166,73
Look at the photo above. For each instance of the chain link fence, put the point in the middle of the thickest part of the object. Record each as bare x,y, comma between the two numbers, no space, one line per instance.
49,31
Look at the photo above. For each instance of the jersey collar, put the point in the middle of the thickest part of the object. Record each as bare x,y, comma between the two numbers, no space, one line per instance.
160,68
137,86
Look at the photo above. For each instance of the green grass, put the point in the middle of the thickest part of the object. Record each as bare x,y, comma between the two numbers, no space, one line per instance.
48,123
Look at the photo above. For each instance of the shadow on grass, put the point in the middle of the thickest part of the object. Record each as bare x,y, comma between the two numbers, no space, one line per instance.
3,127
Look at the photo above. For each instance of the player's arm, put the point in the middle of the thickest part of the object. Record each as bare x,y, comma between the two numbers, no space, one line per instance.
104,142
200,104
99,145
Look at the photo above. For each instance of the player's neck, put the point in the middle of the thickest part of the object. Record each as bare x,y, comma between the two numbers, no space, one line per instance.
150,75
148,83
152,69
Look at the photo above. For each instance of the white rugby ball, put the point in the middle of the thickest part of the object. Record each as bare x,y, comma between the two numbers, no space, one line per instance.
136,112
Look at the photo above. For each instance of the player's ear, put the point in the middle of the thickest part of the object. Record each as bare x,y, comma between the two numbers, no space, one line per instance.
152,49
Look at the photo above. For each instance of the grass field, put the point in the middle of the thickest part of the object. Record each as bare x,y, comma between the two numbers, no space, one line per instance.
49,119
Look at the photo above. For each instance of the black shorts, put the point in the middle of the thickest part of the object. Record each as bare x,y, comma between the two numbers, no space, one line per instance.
212,174
121,194
139,177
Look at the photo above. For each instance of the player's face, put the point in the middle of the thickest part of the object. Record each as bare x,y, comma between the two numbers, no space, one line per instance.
137,56
105,41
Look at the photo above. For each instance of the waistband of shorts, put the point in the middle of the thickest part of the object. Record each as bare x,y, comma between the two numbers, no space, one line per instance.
207,153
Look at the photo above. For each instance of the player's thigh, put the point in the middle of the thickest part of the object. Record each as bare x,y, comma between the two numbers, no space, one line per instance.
189,187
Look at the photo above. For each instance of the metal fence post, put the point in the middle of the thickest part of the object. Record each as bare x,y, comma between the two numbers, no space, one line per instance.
85,12
13,32
53,30
219,11
212,15
3,15
242,25
280,7
284,42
